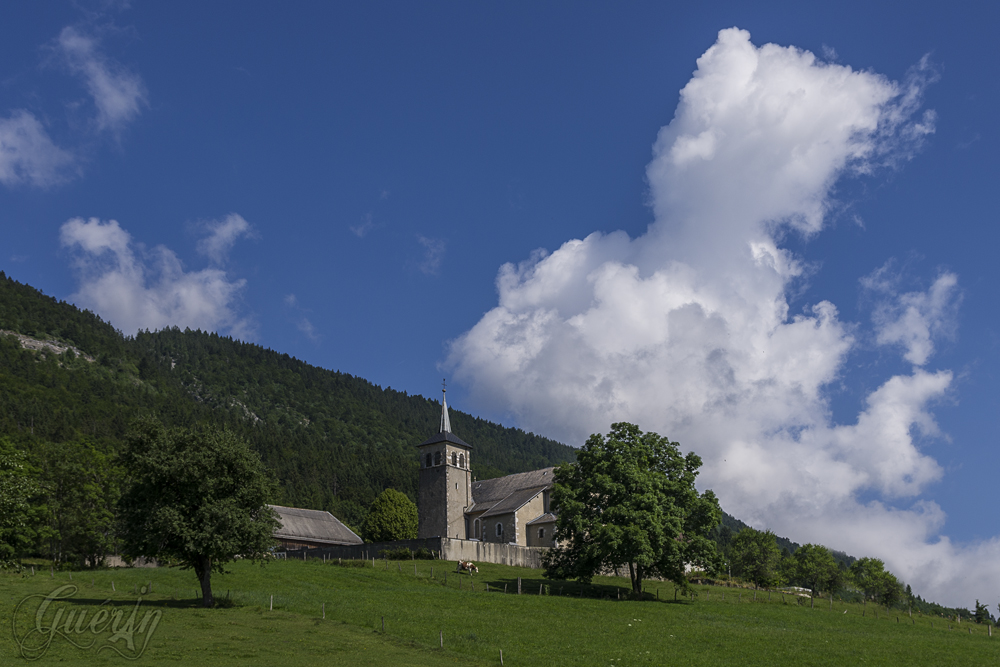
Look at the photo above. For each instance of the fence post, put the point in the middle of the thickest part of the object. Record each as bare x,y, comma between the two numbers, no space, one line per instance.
271,608
324,610
441,637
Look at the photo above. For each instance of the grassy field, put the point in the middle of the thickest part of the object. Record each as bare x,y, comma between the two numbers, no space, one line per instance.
721,626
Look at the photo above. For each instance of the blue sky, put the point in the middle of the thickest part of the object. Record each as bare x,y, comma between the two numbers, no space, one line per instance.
807,303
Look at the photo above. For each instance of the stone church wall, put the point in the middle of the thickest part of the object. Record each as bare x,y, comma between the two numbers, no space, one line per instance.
446,549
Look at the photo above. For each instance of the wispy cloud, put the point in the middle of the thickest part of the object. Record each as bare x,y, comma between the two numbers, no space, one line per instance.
136,289
222,235
433,255
118,93
913,320
28,155
367,224
687,329
307,328
302,322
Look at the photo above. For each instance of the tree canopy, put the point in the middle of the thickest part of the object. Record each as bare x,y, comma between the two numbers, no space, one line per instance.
393,516
630,501
876,582
755,556
18,484
194,497
815,565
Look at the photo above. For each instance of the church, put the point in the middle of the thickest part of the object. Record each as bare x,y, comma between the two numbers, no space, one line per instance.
452,504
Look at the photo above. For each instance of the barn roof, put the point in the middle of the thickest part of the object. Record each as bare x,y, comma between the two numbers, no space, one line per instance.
312,525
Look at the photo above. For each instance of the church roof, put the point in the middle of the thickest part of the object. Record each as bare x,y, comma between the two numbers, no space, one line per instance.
513,502
548,517
445,437
510,493
495,490
312,525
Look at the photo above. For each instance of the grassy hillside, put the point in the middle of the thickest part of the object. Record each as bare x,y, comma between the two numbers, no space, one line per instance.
334,441
719,626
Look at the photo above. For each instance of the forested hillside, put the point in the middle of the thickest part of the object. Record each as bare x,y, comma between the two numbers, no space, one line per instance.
334,441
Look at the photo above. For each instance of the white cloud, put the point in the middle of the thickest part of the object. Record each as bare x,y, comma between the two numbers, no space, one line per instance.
222,235
686,330
913,319
433,255
118,93
27,154
137,289
310,331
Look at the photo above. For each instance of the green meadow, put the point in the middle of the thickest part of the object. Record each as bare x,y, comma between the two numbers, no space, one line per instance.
274,615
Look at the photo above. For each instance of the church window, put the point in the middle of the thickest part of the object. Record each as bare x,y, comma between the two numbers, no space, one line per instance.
499,530
428,461
437,458
454,459
541,533
476,528
461,460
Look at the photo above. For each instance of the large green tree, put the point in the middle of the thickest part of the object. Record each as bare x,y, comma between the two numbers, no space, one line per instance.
755,556
196,497
19,486
393,516
816,566
630,501
81,488
877,583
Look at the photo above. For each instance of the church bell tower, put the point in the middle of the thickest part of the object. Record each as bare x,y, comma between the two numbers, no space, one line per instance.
445,481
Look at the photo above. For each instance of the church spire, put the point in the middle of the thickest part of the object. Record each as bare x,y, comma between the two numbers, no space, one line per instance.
445,422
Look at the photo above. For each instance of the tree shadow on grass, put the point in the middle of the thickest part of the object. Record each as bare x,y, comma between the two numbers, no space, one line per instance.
189,603
567,588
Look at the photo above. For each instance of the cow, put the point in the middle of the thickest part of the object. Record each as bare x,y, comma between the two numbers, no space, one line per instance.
467,566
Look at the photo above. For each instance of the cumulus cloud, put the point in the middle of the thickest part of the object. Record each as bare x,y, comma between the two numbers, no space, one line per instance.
118,93
135,288
28,155
687,330
222,234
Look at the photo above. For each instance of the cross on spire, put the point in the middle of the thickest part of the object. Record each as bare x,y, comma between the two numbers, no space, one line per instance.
445,422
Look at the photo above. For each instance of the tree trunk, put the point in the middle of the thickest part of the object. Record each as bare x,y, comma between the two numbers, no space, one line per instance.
203,569
635,574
